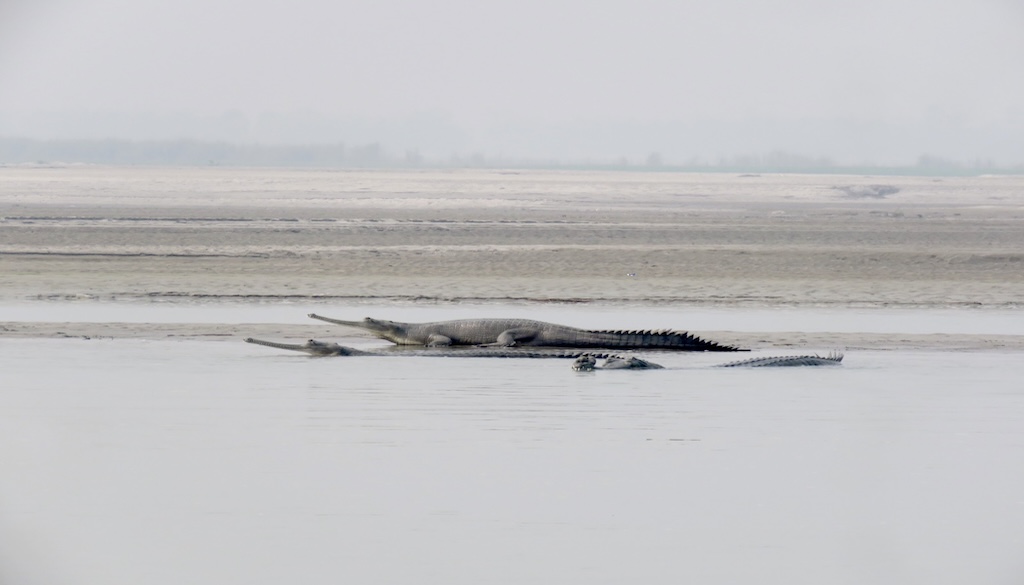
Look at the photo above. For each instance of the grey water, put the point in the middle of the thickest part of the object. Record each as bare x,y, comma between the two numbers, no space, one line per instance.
216,462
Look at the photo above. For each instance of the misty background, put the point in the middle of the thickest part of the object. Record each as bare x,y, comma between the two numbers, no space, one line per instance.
734,83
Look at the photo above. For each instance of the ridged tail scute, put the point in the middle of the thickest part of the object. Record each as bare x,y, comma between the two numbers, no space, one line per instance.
660,339
832,359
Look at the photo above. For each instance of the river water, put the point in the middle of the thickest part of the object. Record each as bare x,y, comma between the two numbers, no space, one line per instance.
128,461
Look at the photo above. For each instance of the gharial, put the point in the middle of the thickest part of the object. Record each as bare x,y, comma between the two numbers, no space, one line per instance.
588,362
324,349
584,360
526,332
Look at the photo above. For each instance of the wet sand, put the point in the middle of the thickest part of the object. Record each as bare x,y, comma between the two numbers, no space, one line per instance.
339,238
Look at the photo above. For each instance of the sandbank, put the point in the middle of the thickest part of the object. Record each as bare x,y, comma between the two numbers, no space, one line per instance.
137,235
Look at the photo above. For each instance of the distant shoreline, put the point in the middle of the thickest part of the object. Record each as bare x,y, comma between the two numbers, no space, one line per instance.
17,151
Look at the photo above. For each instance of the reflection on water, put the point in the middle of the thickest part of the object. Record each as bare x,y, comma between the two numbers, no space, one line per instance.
172,462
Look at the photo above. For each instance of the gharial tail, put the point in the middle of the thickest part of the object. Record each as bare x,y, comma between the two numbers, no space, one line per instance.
832,359
661,339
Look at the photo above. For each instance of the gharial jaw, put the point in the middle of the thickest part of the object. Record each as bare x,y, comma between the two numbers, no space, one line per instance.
389,330
312,347
585,363
588,363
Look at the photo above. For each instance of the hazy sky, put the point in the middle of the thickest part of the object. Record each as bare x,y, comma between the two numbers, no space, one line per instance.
858,80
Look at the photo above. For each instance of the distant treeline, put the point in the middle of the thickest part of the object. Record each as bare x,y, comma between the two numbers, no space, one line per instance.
186,153
17,151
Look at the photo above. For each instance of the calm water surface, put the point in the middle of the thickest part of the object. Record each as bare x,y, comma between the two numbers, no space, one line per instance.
215,462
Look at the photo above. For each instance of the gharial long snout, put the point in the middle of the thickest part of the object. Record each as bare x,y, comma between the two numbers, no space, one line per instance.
312,347
359,324
289,346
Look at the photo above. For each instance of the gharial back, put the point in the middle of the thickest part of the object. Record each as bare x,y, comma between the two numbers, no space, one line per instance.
539,333
478,331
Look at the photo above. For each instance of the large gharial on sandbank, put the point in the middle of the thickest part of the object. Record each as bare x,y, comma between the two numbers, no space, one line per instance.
525,333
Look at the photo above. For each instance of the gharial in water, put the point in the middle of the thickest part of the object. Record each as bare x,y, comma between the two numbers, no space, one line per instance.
585,361
324,349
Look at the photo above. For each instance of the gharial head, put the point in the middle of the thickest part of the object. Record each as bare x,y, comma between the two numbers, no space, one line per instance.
585,363
312,347
381,327
315,347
